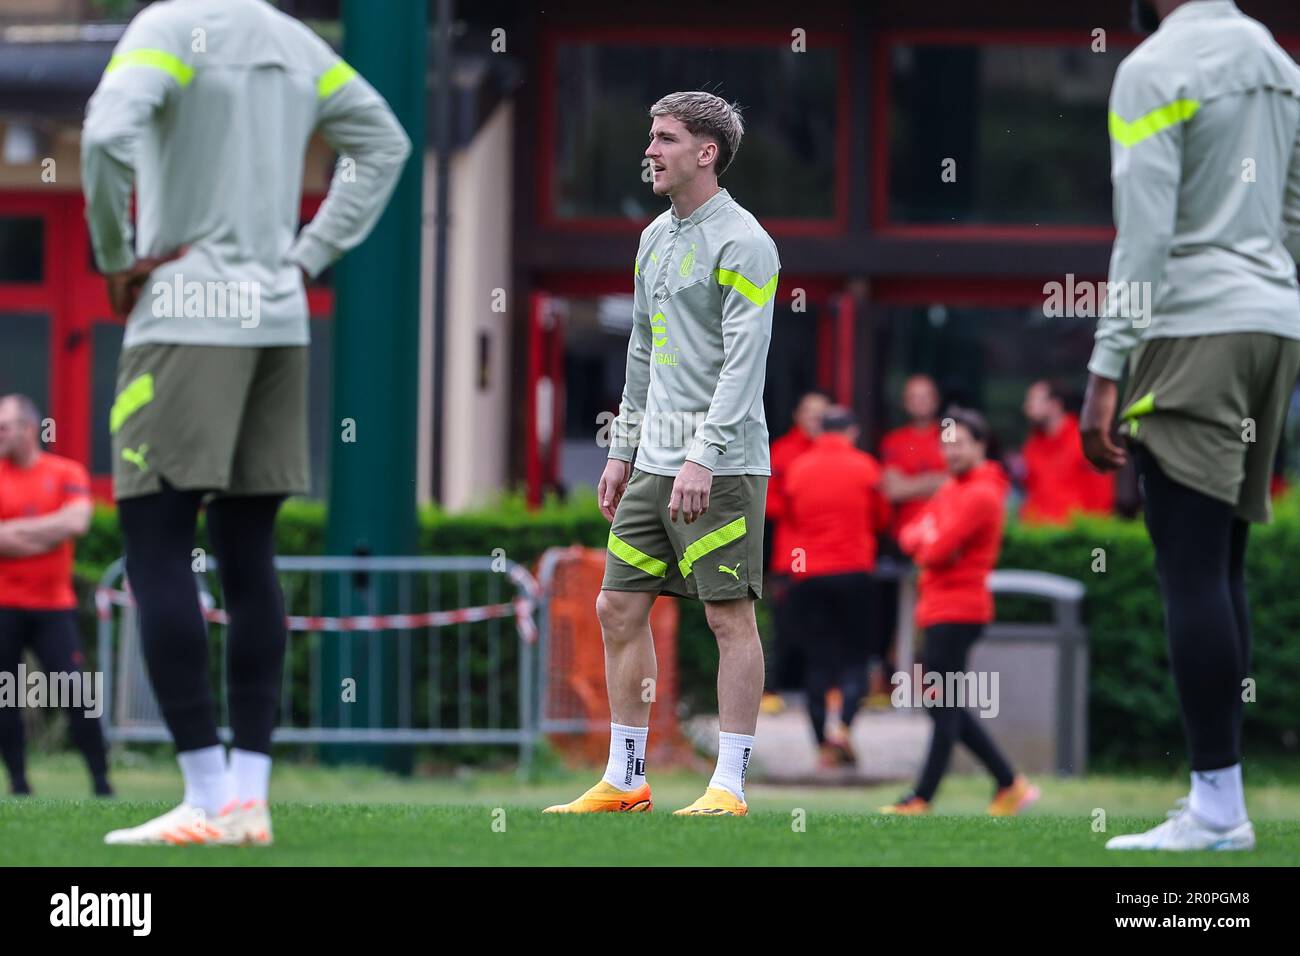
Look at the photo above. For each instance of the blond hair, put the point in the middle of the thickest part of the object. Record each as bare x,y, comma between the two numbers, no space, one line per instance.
712,117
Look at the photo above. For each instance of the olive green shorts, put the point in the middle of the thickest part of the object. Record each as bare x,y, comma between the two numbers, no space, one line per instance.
1211,409
717,557
232,420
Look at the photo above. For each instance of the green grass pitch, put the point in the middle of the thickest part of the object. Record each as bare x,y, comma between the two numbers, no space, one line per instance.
354,816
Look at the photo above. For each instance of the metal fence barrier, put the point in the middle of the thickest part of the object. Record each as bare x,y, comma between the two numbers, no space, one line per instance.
462,675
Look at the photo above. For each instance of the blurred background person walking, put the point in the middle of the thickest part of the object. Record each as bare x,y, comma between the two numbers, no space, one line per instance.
955,542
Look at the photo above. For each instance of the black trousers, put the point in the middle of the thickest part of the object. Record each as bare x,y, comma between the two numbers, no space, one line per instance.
1200,562
52,636
946,649
159,532
832,614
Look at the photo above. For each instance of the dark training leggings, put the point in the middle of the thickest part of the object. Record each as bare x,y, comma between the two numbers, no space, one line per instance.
52,637
159,532
1200,560
945,651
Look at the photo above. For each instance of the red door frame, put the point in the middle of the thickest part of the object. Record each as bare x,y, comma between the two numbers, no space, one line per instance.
73,295
545,359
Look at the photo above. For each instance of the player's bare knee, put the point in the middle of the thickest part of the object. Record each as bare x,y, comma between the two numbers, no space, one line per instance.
622,615
731,620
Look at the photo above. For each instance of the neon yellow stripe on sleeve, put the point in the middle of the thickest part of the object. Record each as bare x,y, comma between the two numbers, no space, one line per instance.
334,79
755,294
173,66
1130,134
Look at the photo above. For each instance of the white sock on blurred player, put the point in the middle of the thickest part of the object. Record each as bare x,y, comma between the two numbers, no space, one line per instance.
207,784
1218,798
626,767
251,773
733,761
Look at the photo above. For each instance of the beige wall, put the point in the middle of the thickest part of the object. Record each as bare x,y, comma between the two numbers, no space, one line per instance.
476,423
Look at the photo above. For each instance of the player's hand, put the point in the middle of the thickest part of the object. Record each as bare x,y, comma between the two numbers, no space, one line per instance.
690,492
1095,423
613,482
124,287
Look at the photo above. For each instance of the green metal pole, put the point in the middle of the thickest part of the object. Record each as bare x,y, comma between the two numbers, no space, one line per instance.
376,347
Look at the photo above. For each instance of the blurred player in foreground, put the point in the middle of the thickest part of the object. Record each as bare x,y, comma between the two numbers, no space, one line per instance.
688,518
1211,362
216,402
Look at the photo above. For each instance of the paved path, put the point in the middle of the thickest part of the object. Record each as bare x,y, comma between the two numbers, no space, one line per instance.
890,745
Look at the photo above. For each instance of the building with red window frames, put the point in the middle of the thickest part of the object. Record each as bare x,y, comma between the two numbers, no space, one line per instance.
925,169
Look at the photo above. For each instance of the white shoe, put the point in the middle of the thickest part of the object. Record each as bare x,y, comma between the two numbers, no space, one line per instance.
1184,831
182,826
251,823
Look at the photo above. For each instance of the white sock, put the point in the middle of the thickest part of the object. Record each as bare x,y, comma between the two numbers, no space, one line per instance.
207,784
733,761
1218,797
626,767
250,773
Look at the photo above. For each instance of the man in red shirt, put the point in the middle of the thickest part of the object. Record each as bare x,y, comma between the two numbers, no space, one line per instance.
1058,479
44,504
912,454
833,509
787,661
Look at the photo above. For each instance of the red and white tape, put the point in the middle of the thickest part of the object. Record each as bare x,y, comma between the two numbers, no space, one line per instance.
521,609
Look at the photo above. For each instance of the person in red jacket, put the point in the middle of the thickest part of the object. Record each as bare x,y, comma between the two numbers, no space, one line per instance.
955,542
787,664
1059,481
44,506
833,509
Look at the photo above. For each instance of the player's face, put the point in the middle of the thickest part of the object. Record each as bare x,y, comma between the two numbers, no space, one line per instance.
961,451
920,400
12,428
1037,407
809,414
674,153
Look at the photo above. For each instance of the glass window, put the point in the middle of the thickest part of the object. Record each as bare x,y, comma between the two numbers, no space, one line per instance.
982,357
22,249
106,346
25,357
1025,125
786,164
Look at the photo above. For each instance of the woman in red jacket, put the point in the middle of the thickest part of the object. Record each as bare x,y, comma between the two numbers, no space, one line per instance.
955,541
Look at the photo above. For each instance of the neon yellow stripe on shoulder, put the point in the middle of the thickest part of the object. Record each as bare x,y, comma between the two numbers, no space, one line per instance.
1161,118
334,79
170,64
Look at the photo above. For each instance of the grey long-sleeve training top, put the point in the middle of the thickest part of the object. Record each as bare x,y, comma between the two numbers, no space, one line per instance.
704,291
207,107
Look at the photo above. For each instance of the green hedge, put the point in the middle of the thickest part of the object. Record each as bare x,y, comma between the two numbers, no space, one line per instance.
1133,710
